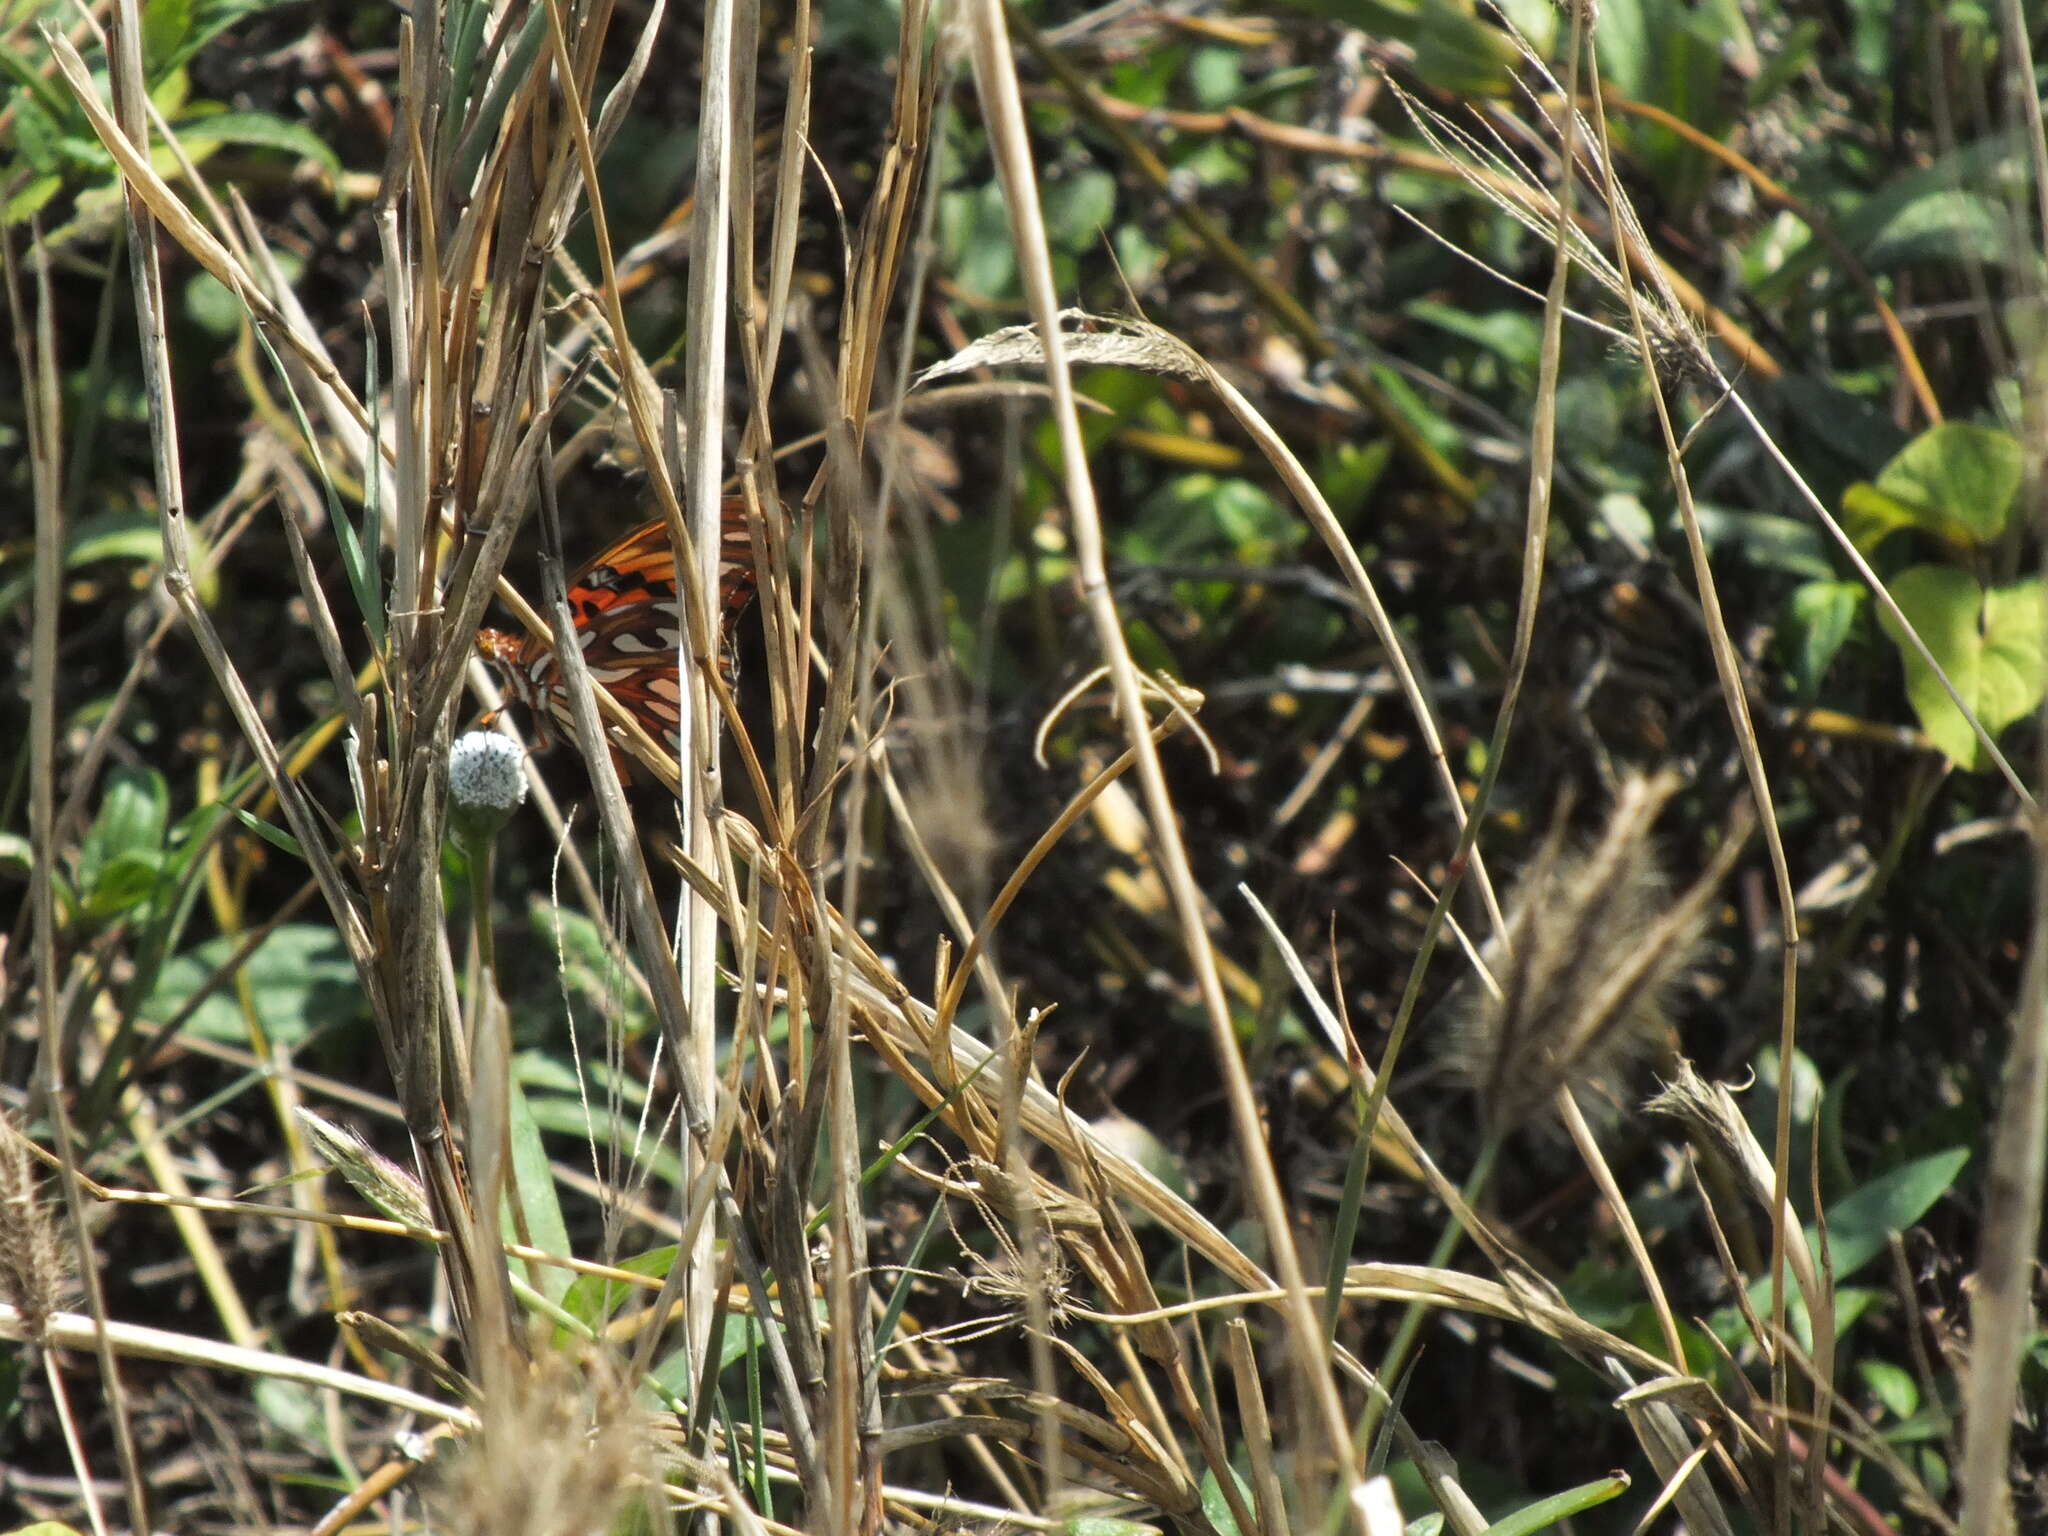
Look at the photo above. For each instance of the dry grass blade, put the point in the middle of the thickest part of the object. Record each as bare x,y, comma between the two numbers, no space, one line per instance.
73,1330
946,1148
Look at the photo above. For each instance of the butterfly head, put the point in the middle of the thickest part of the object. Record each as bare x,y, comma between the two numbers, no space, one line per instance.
514,658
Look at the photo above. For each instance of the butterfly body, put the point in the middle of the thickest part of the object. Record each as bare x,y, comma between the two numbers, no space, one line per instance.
629,624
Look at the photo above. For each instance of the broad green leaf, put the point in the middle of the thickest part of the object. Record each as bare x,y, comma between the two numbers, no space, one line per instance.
1787,60
38,135
1107,1525
1957,476
212,306
1822,614
1444,435
1860,1224
166,24
739,1337
291,1409
126,880
593,979
1955,482
1870,517
21,64
1350,472
1859,1229
1217,76
170,94
974,235
566,1116
300,979
1989,161
1078,207
134,810
1989,643
1945,224
258,130
1891,1386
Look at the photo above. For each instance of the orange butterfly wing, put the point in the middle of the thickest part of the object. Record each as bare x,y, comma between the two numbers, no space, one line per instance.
629,621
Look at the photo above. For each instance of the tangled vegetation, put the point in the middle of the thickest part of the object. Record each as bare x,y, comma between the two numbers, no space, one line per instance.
1313,808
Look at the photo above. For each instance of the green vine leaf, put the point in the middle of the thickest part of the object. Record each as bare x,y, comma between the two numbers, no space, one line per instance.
1989,642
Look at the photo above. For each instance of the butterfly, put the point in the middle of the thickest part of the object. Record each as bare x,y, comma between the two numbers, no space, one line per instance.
629,621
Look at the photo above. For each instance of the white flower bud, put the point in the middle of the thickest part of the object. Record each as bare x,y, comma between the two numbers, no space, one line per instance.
486,784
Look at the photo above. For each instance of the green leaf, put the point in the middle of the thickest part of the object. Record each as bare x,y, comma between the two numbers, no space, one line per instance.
1894,1388
135,808
258,130
1512,334
125,881
545,1228
364,578
1944,224
974,234
1870,517
38,134
169,97
1956,482
1787,59
19,63
1990,643
1444,435
114,536
166,24
1765,539
1822,614
592,1299
210,18
31,199
1216,1507
1988,161
1217,77
573,1117
1078,208
277,837
1962,480
1454,50
1350,472
1860,1224
1545,1513
300,979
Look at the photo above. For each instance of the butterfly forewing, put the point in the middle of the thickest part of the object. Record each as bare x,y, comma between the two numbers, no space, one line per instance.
629,623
